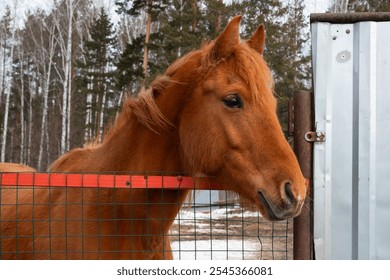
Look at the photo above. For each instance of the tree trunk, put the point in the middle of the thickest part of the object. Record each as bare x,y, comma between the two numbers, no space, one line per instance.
101,127
147,40
88,118
119,103
22,128
7,90
68,115
3,57
30,125
340,6
3,70
99,110
45,101
5,124
44,120
66,92
194,19
219,20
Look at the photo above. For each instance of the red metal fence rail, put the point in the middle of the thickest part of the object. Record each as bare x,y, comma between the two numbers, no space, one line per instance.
27,179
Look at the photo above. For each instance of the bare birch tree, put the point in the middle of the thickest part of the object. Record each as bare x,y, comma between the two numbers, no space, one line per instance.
7,86
22,89
65,42
48,67
340,6
31,89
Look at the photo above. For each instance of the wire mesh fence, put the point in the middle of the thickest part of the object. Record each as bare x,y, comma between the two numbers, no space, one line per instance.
229,232
89,216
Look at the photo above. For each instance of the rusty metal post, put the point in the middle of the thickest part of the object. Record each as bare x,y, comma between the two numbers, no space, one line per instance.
301,121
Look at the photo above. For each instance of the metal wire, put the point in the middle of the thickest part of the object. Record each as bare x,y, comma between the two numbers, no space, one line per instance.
210,226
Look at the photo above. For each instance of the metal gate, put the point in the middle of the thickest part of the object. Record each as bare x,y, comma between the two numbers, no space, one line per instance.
351,71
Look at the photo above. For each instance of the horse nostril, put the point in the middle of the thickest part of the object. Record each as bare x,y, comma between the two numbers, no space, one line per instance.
289,194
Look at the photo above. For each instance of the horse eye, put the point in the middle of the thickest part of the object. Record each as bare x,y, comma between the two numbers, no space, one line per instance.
233,101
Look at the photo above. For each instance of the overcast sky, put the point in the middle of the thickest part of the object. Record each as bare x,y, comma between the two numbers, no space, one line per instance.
24,5
312,6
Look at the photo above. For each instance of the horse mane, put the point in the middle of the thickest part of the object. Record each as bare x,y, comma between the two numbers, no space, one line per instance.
144,106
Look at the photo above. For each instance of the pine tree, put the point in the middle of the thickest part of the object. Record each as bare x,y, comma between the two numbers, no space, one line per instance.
215,17
129,72
35,40
297,72
95,78
152,9
179,33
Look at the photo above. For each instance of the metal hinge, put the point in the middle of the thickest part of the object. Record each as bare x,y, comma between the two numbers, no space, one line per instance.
315,136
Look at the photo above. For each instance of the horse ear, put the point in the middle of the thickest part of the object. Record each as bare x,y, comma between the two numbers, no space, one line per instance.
226,42
258,39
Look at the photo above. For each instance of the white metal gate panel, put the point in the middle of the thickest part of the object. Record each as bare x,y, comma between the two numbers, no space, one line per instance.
351,75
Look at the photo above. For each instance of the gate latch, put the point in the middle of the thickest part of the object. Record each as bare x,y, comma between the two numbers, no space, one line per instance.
315,136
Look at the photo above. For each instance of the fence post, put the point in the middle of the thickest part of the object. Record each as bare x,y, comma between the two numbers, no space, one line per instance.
301,121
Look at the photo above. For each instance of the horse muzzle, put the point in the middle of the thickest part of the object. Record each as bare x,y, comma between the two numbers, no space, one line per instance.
288,206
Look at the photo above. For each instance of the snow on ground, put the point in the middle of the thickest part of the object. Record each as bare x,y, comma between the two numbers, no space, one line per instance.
222,213
215,250
229,233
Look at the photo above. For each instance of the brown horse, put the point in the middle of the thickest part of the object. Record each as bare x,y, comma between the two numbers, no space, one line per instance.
211,113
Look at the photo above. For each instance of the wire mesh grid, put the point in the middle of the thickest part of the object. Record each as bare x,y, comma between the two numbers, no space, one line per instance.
89,216
228,231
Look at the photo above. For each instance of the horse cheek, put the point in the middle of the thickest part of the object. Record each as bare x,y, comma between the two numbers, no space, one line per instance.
198,144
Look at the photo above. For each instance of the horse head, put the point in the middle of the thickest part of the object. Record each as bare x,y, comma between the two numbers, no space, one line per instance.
227,123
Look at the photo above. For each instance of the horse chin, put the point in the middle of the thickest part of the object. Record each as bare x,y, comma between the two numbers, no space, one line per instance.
267,212
270,213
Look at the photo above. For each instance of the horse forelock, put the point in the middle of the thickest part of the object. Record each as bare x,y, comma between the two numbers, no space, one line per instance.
249,65
255,72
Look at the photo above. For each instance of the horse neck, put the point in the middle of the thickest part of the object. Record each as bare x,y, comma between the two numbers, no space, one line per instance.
136,148
131,147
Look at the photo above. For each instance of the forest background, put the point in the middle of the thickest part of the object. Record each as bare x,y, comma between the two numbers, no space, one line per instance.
65,71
